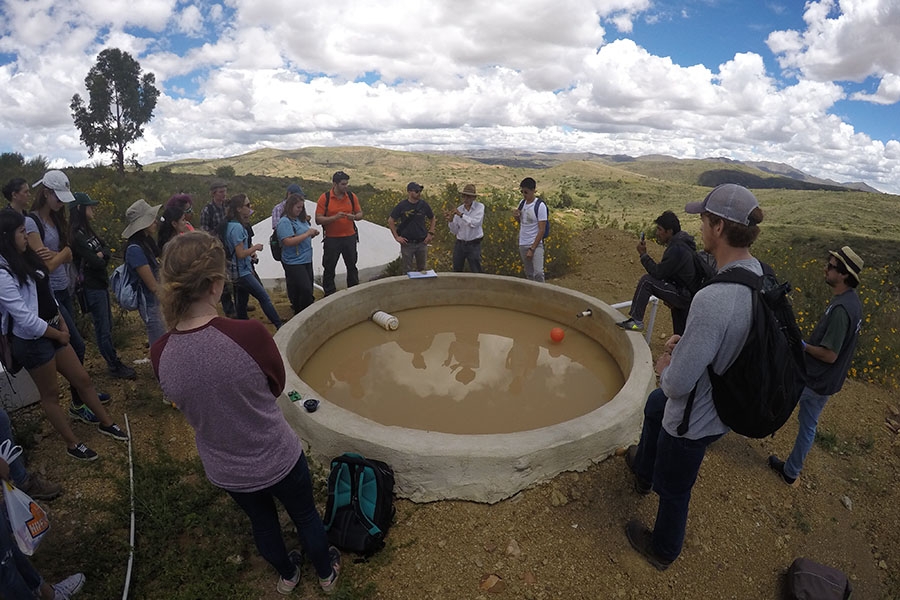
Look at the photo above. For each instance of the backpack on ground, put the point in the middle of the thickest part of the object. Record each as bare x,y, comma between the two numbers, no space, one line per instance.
360,505
757,393
538,202
809,580
125,287
275,246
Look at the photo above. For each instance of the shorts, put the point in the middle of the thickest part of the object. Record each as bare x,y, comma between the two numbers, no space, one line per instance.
34,353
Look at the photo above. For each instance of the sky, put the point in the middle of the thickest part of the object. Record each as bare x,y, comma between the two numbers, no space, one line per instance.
814,85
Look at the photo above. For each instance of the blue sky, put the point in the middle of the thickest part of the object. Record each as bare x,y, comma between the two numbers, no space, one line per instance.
815,85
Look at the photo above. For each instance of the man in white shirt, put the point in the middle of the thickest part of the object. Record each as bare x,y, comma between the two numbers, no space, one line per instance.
532,217
466,224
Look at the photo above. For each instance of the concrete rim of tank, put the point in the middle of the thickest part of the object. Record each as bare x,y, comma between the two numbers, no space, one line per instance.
432,466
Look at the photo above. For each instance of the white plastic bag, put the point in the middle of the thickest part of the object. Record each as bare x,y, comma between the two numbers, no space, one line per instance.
28,521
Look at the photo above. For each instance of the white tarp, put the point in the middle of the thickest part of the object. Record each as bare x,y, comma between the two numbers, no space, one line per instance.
377,248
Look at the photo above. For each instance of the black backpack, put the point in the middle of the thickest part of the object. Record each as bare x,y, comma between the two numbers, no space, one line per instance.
809,580
757,393
360,507
704,270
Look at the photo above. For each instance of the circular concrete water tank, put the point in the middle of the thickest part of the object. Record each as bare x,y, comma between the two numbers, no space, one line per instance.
485,467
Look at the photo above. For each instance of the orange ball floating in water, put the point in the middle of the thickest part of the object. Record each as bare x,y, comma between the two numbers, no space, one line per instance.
557,334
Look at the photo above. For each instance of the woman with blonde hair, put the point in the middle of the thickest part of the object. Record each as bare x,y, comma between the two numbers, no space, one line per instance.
245,444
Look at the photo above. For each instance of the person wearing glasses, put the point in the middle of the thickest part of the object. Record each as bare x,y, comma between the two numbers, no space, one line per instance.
827,354
240,255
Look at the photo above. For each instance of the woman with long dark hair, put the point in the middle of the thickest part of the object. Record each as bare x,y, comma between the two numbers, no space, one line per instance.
48,236
40,338
240,253
245,444
142,259
295,236
172,222
91,260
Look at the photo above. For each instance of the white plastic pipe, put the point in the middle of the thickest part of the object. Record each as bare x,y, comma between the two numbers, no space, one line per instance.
389,322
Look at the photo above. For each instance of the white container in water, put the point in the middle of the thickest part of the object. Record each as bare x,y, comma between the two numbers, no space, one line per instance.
389,322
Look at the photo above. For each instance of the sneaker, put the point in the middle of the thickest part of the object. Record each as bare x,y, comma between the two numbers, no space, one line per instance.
113,431
84,414
631,325
777,465
286,586
81,452
39,488
641,539
329,584
104,397
122,371
641,485
68,587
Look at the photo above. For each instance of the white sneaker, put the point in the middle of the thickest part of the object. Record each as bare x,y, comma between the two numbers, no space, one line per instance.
329,584
68,587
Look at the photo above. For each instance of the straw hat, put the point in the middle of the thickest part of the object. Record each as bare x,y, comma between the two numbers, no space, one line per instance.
140,216
468,190
850,259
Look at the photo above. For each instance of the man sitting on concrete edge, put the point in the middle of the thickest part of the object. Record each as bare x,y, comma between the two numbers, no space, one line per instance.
671,280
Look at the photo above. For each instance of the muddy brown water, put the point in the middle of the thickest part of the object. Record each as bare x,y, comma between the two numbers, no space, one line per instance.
464,370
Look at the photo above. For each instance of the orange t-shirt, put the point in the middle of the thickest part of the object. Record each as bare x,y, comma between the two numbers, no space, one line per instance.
341,227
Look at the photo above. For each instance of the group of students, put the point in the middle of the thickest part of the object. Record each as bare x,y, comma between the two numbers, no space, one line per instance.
244,442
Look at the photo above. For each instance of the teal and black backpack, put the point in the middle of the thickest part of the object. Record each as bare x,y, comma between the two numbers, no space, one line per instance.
360,505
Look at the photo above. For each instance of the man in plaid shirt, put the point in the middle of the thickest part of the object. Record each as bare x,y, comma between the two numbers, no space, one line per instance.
212,218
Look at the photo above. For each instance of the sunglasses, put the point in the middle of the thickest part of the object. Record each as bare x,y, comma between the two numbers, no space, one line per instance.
833,267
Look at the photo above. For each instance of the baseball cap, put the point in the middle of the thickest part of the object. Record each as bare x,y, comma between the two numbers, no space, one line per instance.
59,183
412,186
730,201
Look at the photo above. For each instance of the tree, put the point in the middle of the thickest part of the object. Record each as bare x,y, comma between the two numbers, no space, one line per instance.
121,103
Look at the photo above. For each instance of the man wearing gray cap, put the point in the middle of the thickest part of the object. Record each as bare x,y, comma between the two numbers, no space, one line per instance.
827,354
717,328
412,223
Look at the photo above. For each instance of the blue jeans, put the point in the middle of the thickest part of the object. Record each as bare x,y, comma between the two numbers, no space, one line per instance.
19,580
97,303
249,285
675,463
150,313
811,405
295,494
66,310
17,470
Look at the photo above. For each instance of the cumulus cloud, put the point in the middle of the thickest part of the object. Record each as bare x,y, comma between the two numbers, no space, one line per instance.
558,76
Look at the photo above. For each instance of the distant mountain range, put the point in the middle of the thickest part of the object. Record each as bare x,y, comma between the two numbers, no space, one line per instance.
387,169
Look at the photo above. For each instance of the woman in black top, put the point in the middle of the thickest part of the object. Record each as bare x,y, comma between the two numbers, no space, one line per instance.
91,260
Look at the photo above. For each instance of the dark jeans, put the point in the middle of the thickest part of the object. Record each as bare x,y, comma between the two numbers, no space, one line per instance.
97,302
299,281
672,464
227,300
467,251
295,494
332,249
667,292
249,285
19,580
66,310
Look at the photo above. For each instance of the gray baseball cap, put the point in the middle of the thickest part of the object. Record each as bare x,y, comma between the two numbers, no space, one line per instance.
730,201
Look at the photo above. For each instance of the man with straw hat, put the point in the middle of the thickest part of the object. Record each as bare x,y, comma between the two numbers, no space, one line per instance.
466,224
828,354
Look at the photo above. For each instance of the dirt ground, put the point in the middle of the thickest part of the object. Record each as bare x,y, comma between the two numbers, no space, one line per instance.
565,538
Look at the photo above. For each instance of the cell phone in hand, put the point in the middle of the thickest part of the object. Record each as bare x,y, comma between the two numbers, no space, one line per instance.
642,236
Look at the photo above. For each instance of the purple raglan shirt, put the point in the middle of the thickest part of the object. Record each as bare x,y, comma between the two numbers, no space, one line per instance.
224,377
